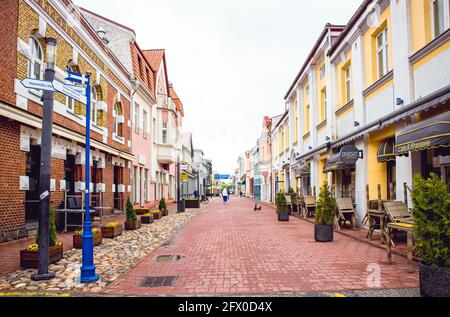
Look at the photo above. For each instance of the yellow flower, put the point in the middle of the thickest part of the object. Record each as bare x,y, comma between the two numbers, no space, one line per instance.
33,247
112,224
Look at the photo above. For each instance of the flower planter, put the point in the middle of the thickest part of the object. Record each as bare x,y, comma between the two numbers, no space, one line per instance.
147,219
192,203
323,233
141,211
112,232
157,215
29,259
434,282
133,224
78,240
283,216
164,213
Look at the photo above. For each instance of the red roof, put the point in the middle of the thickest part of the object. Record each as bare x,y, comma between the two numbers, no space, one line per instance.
176,99
154,57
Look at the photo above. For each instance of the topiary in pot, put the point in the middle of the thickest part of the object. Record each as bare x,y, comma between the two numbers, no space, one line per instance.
132,222
282,208
163,207
293,195
325,215
431,215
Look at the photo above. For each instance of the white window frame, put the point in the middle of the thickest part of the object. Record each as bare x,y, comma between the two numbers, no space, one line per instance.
165,133
384,50
94,105
325,103
35,59
348,83
144,122
116,123
136,117
322,72
445,16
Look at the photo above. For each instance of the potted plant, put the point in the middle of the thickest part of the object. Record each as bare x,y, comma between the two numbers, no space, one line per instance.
141,211
431,214
325,215
111,230
78,238
282,208
157,214
132,222
29,256
293,195
163,207
147,218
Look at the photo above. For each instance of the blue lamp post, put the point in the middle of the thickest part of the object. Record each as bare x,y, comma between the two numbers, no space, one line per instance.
88,268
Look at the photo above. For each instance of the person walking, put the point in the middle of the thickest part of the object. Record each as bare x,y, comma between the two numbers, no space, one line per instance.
225,195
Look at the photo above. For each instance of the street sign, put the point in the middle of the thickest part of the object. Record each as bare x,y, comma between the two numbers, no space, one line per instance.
221,176
183,167
76,77
184,177
74,92
37,84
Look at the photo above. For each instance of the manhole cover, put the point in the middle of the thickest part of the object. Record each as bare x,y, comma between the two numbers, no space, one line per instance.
158,281
167,258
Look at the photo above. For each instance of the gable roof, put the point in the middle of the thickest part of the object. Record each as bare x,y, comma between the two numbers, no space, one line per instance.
176,99
154,57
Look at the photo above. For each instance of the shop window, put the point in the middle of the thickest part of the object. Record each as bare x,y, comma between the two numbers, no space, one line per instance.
382,53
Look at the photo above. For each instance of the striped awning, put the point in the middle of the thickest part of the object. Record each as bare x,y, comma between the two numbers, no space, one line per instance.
386,151
334,163
428,134
303,170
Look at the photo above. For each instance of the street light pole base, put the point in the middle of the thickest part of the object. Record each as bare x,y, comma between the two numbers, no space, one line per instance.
42,277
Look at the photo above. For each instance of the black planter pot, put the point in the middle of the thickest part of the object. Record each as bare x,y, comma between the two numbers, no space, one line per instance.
283,216
323,233
434,282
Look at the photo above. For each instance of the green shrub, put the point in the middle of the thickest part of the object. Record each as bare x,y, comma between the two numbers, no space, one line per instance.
431,215
52,229
162,204
131,213
280,202
326,207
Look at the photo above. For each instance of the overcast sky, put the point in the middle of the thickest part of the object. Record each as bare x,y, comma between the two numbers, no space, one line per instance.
230,61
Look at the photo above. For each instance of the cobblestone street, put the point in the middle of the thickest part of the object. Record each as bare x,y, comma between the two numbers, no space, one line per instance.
230,249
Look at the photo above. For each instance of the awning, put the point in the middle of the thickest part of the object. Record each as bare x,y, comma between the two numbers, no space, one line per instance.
386,151
428,134
334,163
303,170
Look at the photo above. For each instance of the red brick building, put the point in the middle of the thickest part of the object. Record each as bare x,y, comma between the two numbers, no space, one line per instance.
25,24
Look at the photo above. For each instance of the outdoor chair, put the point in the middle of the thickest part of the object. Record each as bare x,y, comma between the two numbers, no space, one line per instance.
397,212
345,212
310,205
289,203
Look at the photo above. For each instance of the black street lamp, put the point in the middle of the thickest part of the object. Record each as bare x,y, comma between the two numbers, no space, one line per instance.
46,152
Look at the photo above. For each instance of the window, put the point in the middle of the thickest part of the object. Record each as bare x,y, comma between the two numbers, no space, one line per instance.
35,68
348,84
70,104
307,118
440,15
144,122
134,184
307,91
322,72
164,133
136,118
93,105
324,104
146,185
117,111
382,53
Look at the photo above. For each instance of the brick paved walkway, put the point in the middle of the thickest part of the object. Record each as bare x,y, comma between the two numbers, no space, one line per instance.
233,250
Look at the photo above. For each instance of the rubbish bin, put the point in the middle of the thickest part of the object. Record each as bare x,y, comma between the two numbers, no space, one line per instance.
182,205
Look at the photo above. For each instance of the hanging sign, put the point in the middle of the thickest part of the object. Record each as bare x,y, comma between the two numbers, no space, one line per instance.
37,84
350,154
184,177
75,92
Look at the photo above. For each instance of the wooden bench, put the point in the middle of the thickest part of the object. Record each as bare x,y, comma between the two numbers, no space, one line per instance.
345,212
408,228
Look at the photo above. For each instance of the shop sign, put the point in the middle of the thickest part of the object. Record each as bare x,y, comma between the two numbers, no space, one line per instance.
350,154
184,177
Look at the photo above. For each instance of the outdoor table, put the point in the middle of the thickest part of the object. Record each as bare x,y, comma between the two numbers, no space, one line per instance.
73,211
402,226
381,215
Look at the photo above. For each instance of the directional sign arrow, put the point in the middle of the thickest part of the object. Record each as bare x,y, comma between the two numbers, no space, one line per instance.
76,77
74,92
37,84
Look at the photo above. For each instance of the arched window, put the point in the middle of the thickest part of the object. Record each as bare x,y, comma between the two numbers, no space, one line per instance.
94,105
117,112
35,68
